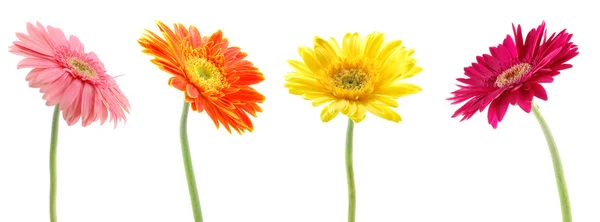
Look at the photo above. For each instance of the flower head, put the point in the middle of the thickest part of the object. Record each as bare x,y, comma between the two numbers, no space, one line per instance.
213,76
69,76
363,75
513,72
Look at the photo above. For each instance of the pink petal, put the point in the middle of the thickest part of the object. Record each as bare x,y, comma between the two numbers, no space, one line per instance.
57,36
49,75
37,63
123,101
71,94
54,94
113,106
33,74
87,102
33,45
23,51
37,33
101,113
74,111
75,44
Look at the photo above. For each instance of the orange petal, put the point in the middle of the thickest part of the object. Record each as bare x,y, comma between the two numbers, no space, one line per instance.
192,91
178,82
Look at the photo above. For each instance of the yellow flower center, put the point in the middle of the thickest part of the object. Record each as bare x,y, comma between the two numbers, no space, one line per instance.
350,79
81,67
203,74
512,75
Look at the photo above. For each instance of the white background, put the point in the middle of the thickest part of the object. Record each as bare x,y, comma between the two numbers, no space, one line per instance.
428,168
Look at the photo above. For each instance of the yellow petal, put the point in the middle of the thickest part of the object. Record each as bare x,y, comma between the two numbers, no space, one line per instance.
399,89
321,100
340,105
350,109
336,47
309,59
384,112
363,44
327,46
395,70
299,88
389,70
415,70
360,114
405,54
388,49
351,45
408,65
300,67
373,44
386,100
316,95
328,114
333,109
306,82
296,91
323,56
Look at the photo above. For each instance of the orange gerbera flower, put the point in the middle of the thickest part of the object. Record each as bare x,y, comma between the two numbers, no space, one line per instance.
214,76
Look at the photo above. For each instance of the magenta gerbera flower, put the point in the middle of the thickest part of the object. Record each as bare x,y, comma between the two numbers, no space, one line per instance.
512,73
69,76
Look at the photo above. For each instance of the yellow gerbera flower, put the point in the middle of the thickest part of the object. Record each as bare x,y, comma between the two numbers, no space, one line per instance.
363,75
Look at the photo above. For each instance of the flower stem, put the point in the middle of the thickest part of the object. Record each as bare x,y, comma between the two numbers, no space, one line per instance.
53,143
561,183
350,173
187,162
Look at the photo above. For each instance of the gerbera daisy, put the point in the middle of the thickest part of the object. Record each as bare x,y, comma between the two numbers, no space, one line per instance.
213,76
73,81
361,75
511,74
69,76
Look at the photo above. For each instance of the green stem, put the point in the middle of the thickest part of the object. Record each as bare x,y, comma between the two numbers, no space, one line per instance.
53,143
187,162
561,183
350,173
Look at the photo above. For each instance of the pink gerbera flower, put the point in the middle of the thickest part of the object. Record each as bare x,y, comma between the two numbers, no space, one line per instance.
69,76
513,72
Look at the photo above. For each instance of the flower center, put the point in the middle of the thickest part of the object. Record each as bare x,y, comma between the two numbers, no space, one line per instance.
203,74
512,75
350,79
81,67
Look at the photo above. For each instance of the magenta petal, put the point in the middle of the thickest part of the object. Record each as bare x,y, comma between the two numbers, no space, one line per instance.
539,91
502,107
492,116
525,97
